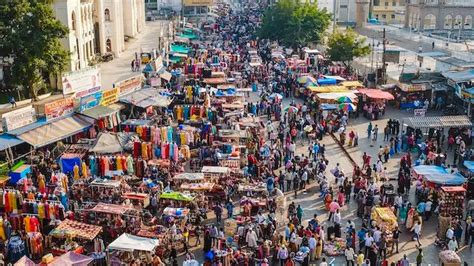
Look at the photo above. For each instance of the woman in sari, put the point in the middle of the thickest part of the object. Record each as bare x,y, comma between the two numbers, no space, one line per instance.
319,248
328,200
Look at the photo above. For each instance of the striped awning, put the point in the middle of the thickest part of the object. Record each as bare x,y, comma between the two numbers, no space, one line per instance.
56,131
457,121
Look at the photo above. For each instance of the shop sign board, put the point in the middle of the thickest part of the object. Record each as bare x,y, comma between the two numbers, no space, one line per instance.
129,85
419,112
110,96
18,118
392,56
81,80
198,2
58,108
90,101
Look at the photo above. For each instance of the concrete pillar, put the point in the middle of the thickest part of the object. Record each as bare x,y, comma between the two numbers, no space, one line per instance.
362,13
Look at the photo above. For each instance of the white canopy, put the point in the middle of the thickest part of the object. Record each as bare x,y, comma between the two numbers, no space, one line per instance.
130,243
336,95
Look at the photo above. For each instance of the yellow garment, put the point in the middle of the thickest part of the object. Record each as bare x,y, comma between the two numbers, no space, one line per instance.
26,221
119,163
64,183
30,196
182,137
2,231
164,134
144,151
139,131
76,172
41,184
41,211
85,173
12,200
179,113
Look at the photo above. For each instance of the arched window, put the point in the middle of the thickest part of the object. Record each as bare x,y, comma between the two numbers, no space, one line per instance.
108,44
107,14
73,20
458,22
468,22
448,22
429,22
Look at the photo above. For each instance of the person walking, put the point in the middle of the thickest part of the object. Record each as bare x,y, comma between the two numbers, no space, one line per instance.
349,253
369,130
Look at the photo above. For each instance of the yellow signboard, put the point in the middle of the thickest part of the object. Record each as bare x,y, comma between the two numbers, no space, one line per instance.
110,96
198,2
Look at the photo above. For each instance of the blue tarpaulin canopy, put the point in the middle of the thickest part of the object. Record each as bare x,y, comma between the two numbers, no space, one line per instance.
469,165
7,141
328,106
327,81
446,179
429,170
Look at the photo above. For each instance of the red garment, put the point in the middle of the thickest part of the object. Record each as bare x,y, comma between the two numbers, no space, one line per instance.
34,224
137,149
126,129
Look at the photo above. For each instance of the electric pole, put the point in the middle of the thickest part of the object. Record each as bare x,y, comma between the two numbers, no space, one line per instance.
384,67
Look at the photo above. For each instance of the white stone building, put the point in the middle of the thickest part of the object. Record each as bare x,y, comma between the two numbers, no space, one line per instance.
77,16
98,27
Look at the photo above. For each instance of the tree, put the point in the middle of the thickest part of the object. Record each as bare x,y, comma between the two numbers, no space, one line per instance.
31,34
346,46
293,23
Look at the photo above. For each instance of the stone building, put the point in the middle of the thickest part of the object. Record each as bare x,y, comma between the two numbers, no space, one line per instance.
426,15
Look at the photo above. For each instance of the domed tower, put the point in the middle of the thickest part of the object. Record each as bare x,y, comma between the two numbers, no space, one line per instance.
362,12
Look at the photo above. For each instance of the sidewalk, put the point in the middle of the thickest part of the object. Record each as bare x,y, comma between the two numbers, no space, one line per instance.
119,68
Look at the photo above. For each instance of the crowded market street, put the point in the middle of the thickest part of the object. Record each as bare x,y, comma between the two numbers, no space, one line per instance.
229,149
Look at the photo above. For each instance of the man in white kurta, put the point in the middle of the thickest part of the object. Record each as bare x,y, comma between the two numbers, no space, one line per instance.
251,238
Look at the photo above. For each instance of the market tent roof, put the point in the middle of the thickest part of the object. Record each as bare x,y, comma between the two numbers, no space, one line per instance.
214,81
137,122
460,76
457,121
77,230
146,97
429,170
336,95
327,81
7,141
446,179
377,94
25,261
328,106
102,111
469,165
130,243
111,208
107,142
338,78
189,176
56,131
351,83
176,48
176,196
215,169
326,89
72,259
99,182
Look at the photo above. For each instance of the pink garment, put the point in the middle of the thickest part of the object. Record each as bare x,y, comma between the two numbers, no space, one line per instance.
334,206
175,152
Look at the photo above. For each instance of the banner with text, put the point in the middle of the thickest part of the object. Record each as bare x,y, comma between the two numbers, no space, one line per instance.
58,108
198,2
18,118
110,96
81,80
129,85
90,101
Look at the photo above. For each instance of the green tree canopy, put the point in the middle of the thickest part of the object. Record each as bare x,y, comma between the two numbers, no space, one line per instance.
30,32
294,23
345,46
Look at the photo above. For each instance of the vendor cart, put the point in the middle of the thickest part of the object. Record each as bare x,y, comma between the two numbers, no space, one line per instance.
449,258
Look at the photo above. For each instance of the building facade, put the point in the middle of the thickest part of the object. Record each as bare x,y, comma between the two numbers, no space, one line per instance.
446,15
344,10
77,15
98,27
389,11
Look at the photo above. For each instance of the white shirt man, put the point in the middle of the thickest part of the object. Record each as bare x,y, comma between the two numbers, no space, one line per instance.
450,233
369,240
428,206
453,244
349,253
377,236
337,217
